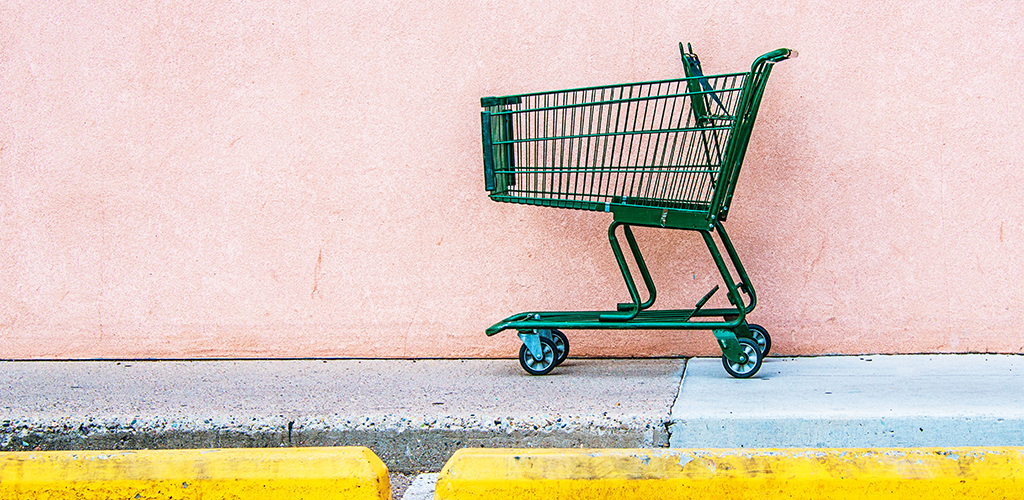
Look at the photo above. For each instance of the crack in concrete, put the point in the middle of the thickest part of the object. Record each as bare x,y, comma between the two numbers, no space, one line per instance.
672,407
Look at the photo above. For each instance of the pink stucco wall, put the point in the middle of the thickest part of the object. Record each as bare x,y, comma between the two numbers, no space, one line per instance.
267,178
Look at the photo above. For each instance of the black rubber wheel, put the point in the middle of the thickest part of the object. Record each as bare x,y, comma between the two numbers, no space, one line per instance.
753,364
561,345
764,341
541,366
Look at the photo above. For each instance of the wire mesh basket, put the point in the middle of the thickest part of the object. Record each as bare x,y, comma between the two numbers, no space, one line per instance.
655,144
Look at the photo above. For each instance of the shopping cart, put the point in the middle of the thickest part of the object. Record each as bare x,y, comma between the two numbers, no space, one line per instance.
655,154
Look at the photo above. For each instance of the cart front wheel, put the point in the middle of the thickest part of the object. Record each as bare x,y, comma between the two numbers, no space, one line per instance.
753,364
561,345
764,341
541,366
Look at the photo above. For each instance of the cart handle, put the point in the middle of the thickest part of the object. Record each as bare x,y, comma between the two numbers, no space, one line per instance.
775,56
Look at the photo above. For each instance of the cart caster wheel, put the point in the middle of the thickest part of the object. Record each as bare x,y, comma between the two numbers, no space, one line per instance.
541,366
764,341
561,345
745,370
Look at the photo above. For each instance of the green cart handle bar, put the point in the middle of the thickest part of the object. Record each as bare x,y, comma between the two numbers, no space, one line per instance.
776,56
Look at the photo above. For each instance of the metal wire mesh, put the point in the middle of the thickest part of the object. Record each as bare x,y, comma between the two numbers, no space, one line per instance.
658,144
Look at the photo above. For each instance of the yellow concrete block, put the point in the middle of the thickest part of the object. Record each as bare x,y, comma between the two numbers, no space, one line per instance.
262,473
734,474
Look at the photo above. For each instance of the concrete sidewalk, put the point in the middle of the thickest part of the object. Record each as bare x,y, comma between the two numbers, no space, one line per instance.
854,401
415,414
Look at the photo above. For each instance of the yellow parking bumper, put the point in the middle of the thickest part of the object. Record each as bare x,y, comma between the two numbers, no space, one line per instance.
264,474
734,474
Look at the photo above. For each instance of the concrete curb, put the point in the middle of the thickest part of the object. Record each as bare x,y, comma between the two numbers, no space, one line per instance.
884,473
264,474
413,414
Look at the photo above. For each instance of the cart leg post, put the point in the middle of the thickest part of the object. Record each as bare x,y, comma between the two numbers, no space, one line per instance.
629,311
745,285
734,293
644,272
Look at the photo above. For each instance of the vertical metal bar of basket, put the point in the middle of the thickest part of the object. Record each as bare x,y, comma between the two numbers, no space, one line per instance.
604,183
600,149
509,149
570,147
627,150
540,148
584,162
485,119
683,159
608,148
618,143
649,137
602,141
664,136
537,144
653,146
570,187
583,159
642,135
568,116
522,148
667,151
541,167
686,188
667,113
692,182
625,147
669,148
679,178
638,137
562,144
577,165
557,144
712,147
636,140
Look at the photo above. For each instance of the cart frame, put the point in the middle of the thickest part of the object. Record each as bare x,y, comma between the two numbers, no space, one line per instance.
723,130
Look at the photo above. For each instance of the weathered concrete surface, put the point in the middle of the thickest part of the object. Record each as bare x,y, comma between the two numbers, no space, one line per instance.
413,414
854,401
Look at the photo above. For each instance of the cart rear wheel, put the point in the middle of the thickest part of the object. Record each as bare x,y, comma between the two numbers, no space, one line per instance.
764,341
753,364
541,366
561,345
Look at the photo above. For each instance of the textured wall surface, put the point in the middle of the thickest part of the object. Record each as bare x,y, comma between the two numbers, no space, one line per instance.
290,179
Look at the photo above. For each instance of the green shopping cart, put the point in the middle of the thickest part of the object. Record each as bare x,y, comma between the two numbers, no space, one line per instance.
662,154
